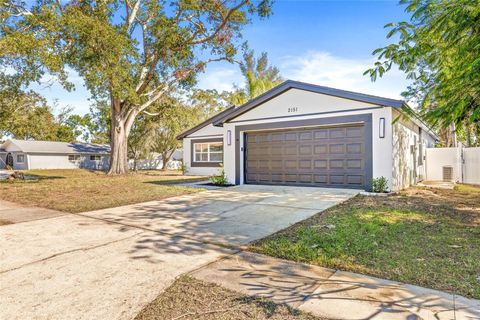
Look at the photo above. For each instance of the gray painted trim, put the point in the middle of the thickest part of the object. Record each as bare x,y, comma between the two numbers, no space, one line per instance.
289,84
207,136
307,114
343,120
197,164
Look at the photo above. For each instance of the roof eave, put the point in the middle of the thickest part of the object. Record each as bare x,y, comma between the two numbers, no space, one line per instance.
289,84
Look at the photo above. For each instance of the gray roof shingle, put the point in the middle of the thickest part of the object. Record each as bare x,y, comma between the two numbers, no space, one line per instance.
34,146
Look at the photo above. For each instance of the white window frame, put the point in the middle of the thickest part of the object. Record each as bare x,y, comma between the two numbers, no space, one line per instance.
208,152
20,154
76,157
95,156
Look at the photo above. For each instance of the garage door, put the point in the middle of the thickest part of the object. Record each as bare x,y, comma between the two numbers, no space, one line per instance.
323,156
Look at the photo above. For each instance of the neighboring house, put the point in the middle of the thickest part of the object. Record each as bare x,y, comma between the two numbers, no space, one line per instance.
154,162
304,134
30,154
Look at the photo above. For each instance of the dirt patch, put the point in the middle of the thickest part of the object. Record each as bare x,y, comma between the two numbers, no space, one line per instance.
190,298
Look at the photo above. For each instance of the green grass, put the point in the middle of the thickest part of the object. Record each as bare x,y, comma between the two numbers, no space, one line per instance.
82,190
425,237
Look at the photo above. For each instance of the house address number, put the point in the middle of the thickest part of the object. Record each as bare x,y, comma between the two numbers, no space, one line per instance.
293,109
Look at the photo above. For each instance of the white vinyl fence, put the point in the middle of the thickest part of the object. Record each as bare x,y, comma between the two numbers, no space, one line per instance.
462,163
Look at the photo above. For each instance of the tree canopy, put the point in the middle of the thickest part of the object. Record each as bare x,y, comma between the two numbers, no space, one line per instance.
439,49
259,77
131,52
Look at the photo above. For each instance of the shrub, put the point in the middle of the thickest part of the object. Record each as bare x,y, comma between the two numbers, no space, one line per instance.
380,185
9,168
184,168
220,179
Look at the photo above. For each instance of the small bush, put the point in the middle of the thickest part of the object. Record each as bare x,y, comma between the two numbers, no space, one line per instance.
220,179
184,168
9,168
380,185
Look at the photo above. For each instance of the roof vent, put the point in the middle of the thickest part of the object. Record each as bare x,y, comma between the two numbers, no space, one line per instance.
447,173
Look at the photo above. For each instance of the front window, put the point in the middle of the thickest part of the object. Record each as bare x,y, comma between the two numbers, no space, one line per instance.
20,158
95,158
73,157
208,152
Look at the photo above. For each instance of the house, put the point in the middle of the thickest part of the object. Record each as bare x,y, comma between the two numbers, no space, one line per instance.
308,135
30,154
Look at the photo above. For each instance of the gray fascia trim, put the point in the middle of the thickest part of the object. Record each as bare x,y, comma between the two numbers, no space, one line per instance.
289,84
344,120
419,119
197,164
207,136
205,123
308,114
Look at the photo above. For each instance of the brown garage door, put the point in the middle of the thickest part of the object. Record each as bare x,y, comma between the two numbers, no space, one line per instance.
324,156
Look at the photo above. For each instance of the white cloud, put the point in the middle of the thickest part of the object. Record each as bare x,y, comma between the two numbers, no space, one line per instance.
220,78
322,68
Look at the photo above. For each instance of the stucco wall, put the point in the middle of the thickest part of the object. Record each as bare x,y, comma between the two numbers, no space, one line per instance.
471,173
307,102
206,132
60,161
437,158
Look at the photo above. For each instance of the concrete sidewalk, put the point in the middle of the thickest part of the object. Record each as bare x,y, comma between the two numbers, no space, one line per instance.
334,294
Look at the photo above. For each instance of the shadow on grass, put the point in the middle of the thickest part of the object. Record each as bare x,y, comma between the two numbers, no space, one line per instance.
175,181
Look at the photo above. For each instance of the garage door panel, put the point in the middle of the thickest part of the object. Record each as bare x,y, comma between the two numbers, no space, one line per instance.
326,156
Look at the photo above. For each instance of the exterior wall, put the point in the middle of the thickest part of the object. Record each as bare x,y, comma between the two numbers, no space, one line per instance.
206,132
279,110
471,169
19,165
60,161
3,158
440,157
406,137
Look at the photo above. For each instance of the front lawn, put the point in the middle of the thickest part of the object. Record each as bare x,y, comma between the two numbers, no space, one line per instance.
427,237
82,190
189,298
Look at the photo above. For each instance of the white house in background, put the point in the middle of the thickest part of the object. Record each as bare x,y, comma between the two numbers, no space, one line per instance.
30,154
304,134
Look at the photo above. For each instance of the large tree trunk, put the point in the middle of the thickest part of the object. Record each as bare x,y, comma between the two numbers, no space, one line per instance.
118,140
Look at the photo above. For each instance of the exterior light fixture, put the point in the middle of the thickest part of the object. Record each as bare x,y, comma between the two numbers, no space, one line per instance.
229,137
381,128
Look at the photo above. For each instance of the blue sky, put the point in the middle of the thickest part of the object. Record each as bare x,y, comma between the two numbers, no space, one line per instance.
322,42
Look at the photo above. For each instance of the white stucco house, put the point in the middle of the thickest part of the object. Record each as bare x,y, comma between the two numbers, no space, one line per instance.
308,135
31,154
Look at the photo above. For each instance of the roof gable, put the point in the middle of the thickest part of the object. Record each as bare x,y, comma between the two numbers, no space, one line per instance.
289,84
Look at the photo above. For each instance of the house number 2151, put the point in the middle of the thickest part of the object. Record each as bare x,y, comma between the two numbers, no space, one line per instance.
293,109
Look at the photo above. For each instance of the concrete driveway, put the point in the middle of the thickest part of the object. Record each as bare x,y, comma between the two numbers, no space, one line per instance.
108,264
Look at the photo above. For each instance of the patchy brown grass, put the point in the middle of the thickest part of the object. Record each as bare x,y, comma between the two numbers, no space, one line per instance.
189,298
427,237
82,190
4,222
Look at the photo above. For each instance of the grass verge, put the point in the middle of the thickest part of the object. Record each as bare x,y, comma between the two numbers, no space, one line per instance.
189,298
427,237
80,190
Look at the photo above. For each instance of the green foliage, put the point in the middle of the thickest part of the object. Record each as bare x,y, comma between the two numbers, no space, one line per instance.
259,77
219,179
439,50
184,168
380,185
130,53
8,168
